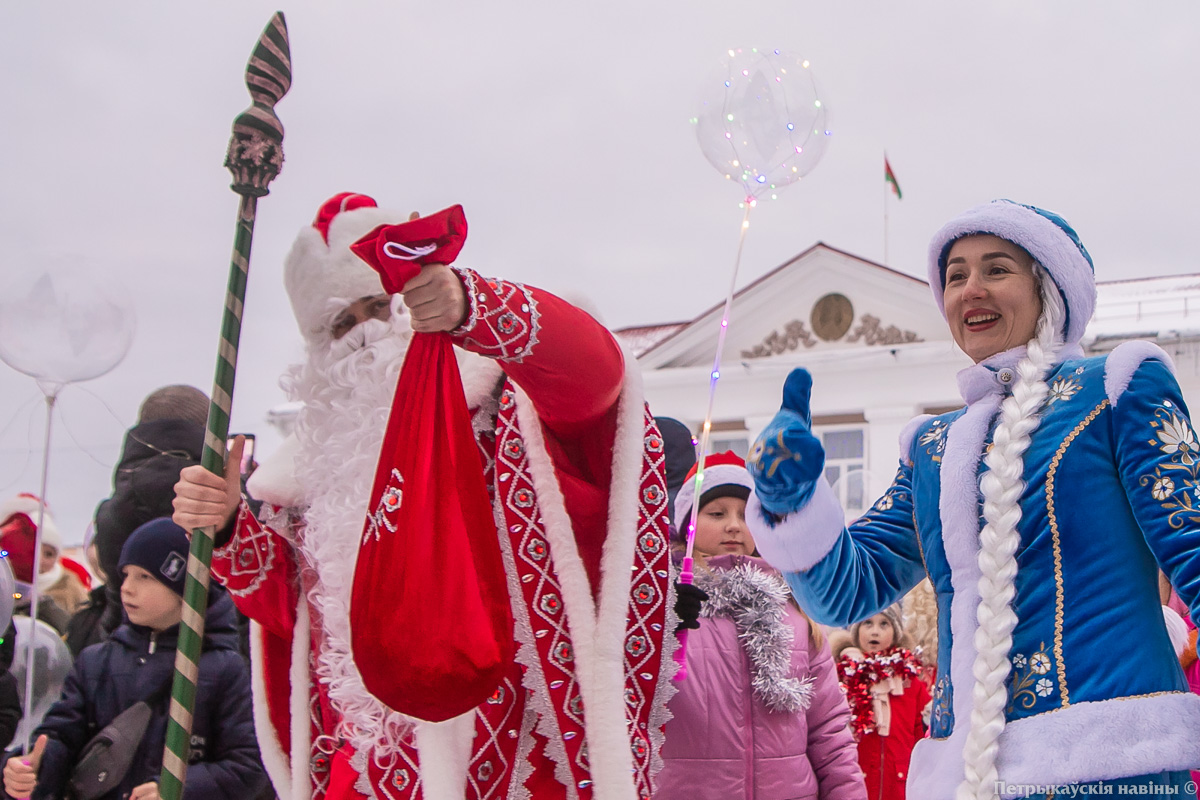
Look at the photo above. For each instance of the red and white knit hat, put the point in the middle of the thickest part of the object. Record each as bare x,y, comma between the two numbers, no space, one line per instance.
27,504
321,267
725,475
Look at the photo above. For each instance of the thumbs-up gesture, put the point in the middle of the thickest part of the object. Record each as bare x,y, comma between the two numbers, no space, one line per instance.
787,460
20,773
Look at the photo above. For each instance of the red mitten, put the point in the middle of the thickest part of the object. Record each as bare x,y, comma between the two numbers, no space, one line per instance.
430,623
397,252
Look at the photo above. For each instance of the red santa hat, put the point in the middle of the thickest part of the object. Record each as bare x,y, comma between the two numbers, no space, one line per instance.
27,504
725,475
320,266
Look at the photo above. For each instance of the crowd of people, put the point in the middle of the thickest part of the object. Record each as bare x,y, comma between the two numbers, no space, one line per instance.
957,640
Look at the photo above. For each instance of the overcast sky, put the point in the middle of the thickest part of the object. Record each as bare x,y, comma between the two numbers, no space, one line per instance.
562,128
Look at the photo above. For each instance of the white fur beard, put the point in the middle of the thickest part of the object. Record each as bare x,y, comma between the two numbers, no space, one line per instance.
347,388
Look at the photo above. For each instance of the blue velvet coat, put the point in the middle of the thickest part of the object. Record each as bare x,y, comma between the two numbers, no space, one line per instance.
1112,493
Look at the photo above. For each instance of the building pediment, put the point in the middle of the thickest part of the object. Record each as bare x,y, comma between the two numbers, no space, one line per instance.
823,299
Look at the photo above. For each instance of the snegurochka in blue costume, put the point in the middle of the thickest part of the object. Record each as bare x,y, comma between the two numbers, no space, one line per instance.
1041,512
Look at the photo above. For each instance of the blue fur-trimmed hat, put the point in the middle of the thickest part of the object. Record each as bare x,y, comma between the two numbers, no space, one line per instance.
1044,235
161,548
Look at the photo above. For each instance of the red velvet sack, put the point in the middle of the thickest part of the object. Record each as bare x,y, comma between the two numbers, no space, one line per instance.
431,627
393,249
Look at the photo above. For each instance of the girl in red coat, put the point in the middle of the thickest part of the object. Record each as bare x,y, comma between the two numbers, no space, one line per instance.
888,700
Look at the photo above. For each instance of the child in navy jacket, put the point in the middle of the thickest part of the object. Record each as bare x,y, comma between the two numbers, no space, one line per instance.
137,663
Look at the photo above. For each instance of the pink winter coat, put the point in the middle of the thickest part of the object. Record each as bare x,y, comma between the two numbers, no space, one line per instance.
724,743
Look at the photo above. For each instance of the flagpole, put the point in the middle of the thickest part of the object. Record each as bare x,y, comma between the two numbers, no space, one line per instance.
886,191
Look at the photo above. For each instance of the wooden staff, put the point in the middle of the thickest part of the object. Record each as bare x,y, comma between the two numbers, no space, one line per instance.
255,157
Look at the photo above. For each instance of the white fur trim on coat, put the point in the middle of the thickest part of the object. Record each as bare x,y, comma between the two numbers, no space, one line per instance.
1044,240
1124,360
274,481
803,537
1081,743
289,772
444,750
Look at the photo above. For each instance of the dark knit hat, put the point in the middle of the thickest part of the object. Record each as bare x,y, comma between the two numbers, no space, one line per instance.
161,548
679,452
175,402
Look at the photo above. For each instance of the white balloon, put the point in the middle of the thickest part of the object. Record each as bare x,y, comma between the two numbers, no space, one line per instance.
761,120
64,324
51,664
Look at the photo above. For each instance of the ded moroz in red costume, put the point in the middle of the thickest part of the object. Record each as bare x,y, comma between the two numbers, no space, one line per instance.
573,466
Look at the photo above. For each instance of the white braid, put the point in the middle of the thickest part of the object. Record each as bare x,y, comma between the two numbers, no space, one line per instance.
1002,486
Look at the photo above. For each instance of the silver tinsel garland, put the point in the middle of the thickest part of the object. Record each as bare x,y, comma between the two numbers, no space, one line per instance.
754,601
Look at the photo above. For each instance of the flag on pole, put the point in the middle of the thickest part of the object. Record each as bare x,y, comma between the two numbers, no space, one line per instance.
890,177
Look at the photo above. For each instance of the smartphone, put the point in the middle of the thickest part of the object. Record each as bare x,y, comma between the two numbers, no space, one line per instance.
247,453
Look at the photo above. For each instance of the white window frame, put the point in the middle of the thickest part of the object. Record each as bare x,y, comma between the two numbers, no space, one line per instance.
846,466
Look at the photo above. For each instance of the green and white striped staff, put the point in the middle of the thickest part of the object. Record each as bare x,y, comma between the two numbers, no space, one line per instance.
255,157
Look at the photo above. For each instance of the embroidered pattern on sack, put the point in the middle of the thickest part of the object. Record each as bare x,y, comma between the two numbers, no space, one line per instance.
384,516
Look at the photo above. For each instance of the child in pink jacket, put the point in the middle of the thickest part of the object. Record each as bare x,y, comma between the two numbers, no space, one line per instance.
760,715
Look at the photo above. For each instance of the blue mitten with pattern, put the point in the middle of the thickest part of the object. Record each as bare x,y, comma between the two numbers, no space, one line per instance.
786,460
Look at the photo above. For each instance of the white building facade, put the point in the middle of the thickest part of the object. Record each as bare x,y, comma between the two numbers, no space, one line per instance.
879,352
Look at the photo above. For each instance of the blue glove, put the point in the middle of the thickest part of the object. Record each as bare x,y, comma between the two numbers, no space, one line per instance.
786,460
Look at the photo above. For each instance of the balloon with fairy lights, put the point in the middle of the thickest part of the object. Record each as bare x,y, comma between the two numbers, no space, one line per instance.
60,324
763,123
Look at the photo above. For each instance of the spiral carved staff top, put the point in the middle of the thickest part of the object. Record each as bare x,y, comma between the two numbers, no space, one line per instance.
255,153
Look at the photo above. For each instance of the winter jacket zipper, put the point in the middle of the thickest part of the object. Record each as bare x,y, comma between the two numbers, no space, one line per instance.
153,643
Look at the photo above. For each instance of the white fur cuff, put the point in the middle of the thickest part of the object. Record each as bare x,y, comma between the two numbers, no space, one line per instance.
804,537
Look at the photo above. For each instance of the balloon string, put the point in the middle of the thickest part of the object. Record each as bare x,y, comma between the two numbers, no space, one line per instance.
714,376
686,576
37,564
407,253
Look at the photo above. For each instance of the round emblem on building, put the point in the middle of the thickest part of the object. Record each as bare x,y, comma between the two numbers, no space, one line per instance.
831,316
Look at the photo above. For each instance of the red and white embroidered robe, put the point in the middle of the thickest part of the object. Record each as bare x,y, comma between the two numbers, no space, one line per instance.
576,469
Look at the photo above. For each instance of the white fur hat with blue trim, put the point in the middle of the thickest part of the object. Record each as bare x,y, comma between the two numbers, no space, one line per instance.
1044,235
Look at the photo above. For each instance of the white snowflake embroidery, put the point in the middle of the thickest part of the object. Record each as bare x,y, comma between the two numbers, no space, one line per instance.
884,503
1039,663
933,434
1019,661
1177,437
1162,489
1063,389
1044,687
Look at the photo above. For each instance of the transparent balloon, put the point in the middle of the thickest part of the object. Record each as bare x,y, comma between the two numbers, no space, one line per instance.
63,324
762,121
51,665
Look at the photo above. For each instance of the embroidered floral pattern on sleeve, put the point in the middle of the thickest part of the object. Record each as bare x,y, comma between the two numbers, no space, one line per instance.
503,320
1029,683
1175,482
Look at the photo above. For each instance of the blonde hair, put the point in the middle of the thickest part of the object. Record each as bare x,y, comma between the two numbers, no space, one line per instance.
1002,486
